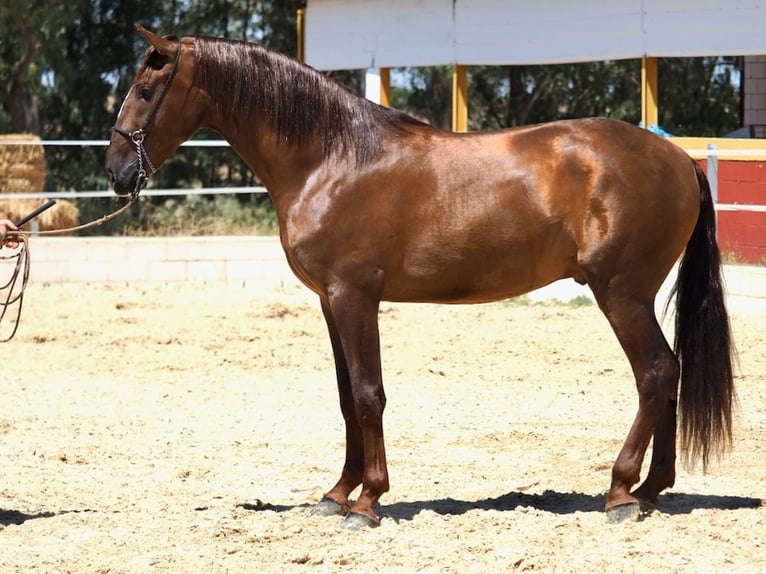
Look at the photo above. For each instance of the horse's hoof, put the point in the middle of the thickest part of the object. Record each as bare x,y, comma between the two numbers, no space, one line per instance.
329,507
357,521
648,507
629,511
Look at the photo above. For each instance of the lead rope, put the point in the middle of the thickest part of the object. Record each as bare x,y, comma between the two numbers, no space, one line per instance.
11,293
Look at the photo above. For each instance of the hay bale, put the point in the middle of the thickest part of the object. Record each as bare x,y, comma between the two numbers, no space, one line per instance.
22,167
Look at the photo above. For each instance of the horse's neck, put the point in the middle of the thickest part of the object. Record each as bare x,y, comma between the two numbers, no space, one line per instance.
255,142
283,167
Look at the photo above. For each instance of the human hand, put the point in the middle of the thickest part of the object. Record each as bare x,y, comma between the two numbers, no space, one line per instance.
7,225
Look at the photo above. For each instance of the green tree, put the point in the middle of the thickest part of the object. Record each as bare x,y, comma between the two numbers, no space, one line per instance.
698,96
30,40
426,94
509,96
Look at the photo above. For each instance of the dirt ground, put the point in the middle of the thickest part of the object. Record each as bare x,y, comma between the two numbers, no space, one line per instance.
188,428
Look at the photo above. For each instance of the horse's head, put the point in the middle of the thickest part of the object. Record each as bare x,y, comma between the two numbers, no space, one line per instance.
160,112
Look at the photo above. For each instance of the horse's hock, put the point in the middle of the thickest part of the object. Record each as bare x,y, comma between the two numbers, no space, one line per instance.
22,170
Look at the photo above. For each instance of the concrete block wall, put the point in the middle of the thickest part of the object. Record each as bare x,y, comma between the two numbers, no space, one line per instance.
260,261
136,259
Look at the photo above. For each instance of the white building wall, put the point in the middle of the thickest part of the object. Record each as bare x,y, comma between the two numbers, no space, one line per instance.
353,34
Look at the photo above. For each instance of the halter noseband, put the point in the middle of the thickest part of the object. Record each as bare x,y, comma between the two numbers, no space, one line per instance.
138,136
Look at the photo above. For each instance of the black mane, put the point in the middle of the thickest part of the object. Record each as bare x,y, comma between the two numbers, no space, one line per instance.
301,103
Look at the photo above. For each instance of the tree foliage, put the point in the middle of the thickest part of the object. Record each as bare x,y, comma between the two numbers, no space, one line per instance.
702,95
66,66
698,96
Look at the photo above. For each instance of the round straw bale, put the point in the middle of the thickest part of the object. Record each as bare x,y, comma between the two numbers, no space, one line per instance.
22,167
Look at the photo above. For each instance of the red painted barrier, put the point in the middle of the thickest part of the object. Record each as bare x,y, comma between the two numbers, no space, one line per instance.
742,234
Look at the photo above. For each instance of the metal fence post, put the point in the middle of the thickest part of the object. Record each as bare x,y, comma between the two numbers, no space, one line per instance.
712,176
712,170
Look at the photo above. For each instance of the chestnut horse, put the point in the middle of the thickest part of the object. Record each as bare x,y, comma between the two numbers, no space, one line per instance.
374,205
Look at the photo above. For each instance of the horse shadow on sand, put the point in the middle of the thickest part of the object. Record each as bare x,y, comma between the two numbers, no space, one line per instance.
561,503
8,517
18,517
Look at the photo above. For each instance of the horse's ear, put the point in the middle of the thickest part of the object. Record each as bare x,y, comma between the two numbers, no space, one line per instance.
162,45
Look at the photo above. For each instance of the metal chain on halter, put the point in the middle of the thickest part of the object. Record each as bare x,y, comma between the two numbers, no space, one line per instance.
137,137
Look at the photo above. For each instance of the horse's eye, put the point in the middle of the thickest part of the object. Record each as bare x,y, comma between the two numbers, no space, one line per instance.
145,93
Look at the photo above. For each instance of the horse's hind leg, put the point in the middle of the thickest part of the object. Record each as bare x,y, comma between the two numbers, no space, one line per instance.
656,370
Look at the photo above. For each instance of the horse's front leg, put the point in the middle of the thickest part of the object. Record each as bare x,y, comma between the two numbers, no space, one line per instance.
352,319
335,501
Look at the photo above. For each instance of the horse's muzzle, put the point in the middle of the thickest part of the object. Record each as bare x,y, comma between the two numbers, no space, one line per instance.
125,181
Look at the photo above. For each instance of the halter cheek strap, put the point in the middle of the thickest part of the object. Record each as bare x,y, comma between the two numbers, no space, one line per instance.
138,136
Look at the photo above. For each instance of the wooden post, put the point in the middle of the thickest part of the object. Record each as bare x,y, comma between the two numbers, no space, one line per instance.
460,98
649,113
301,31
385,87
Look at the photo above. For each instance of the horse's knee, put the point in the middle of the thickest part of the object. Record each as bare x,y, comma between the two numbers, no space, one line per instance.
369,404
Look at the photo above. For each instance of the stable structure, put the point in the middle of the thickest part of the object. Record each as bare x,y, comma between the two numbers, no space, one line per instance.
381,34
342,34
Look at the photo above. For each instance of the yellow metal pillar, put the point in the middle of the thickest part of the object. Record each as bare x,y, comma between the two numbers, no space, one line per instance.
385,87
460,98
649,113
301,31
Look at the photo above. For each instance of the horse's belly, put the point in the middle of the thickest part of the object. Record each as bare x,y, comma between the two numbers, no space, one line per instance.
472,275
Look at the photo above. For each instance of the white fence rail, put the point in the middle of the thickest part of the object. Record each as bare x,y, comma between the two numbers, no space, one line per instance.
145,193
9,194
104,143
709,152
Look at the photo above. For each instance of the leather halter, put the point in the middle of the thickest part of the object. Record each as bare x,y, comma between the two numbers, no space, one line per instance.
138,136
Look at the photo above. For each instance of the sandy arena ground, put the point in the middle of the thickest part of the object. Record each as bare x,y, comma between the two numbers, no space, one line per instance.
188,428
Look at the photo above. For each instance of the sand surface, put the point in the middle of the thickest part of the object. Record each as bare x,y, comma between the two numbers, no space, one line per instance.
188,428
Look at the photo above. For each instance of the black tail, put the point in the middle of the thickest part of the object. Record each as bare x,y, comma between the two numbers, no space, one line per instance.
703,341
